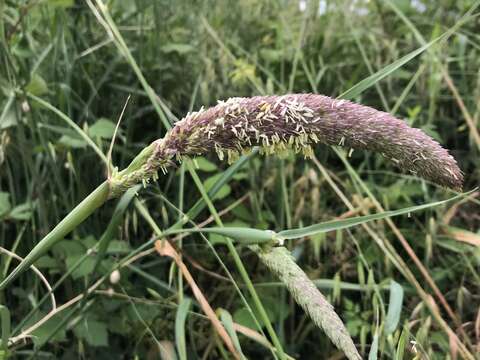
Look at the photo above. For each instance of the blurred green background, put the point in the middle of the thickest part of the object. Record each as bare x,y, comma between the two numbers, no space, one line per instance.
84,59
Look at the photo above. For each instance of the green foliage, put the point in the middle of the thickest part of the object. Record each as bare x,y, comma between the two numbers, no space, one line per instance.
94,332
63,84
394,307
180,319
5,205
102,128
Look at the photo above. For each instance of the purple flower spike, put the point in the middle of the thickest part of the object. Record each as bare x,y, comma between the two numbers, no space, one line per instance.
296,122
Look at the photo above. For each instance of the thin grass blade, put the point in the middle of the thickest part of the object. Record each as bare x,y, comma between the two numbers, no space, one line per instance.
227,321
387,70
394,307
6,327
373,354
402,344
180,319
347,223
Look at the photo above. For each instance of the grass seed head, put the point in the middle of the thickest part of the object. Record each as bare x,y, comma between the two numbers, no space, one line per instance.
295,122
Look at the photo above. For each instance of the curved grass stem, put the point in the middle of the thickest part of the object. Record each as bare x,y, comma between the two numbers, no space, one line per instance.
69,223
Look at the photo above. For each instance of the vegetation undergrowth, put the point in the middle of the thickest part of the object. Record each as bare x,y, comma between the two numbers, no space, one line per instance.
114,294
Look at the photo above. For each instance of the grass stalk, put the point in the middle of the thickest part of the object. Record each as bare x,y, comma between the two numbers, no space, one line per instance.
83,210
243,272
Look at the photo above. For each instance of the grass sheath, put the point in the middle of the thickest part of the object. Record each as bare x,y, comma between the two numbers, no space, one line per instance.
82,211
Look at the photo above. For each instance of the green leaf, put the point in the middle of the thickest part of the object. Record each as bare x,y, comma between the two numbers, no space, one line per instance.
227,321
243,317
118,247
373,354
43,333
272,55
394,307
402,343
21,212
216,239
178,48
71,123
272,306
72,142
102,128
37,86
46,262
224,190
117,322
105,241
6,327
387,70
5,205
243,213
93,332
67,248
180,318
256,236
8,119
61,3
85,268
343,224
89,241
203,164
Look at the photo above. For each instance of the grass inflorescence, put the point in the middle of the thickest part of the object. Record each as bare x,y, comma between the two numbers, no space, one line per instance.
292,122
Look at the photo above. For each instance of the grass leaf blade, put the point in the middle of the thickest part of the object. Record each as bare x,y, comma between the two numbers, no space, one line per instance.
394,307
180,319
387,70
344,224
